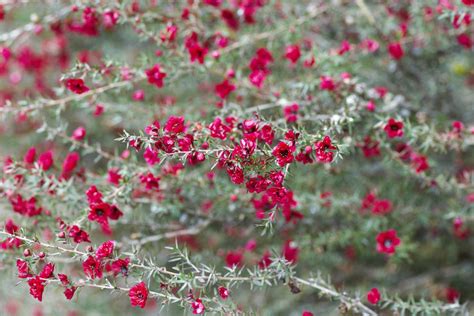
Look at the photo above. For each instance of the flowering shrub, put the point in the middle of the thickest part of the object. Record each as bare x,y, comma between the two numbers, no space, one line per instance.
237,157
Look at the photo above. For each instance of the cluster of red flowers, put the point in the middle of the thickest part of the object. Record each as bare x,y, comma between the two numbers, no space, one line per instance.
256,153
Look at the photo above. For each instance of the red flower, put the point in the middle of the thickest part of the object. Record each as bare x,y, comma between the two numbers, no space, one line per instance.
69,292
394,128
198,307
230,19
151,156
155,75
76,85
234,258
224,88
93,195
36,287
307,313
235,173
382,207
23,269
30,156
223,292
387,241
370,147
373,296
396,50
138,295
291,112
452,295
465,40
327,83
69,164
195,50
283,153
175,125
119,266
214,3
292,53
45,160
105,250
419,163
92,268
219,130
99,212
322,147
265,261
290,251
267,134
77,234
47,271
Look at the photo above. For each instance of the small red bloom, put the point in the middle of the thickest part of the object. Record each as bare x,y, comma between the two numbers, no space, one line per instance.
45,160
76,85
23,269
373,296
291,112
327,83
155,75
419,163
322,147
283,153
30,156
290,251
218,129
394,128
224,88
307,313
77,234
151,182
138,295
36,287
198,307
396,50
223,292
175,125
234,258
105,250
465,40
99,212
69,292
92,268
119,266
370,147
151,156
47,271
69,164
230,19
387,241
292,53
265,261
452,295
